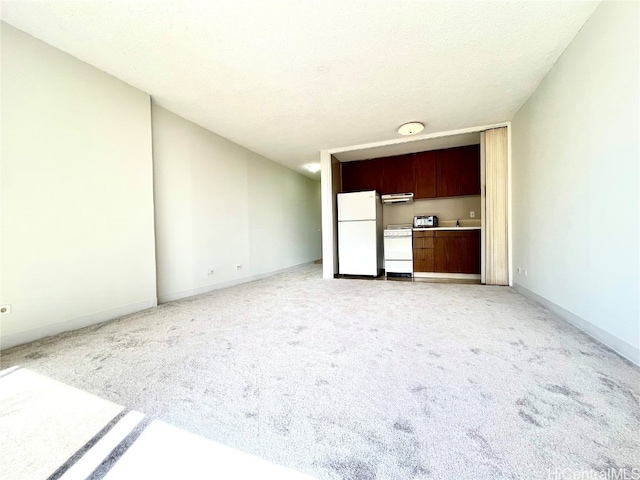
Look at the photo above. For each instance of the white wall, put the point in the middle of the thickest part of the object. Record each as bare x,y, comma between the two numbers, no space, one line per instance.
575,151
77,193
219,205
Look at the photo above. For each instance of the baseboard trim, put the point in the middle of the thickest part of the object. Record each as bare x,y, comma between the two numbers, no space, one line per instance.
618,345
170,297
27,336
453,276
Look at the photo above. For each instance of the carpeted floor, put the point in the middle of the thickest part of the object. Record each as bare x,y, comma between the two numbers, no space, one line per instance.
49,430
357,379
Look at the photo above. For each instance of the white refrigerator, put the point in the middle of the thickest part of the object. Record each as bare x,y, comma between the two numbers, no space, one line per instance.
360,233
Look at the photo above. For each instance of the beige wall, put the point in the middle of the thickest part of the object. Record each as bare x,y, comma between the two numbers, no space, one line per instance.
219,205
446,209
77,193
575,159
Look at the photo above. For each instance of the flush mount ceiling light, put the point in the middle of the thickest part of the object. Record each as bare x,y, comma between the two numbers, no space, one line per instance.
313,167
410,128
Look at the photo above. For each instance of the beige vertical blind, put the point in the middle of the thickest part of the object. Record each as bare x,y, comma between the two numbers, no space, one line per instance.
496,246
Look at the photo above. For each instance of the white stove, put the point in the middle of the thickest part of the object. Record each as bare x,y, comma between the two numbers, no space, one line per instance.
398,249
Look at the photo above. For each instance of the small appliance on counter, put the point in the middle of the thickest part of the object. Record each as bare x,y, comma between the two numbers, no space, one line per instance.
425,221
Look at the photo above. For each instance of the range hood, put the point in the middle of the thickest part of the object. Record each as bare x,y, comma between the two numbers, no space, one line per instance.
395,198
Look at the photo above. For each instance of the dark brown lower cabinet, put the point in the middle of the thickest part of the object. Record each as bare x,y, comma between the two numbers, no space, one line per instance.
457,251
423,259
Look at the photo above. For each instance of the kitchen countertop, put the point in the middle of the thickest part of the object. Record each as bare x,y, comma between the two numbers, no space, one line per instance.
445,228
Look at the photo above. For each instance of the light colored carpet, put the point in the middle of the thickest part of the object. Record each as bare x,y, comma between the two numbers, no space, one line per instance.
49,430
42,424
357,379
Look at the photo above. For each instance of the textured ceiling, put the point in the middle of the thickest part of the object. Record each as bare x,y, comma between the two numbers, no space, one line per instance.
289,78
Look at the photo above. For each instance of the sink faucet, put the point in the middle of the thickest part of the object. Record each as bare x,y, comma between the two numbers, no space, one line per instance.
457,222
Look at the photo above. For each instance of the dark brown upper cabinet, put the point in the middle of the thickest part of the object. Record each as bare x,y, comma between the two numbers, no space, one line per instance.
458,171
362,175
397,174
439,173
424,175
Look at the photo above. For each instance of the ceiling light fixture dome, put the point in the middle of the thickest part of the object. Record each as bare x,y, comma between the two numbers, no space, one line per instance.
313,167
411,128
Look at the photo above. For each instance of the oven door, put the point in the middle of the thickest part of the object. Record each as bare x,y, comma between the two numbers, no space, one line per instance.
398,248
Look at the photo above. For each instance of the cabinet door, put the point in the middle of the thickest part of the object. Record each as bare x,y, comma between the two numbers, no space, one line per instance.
445,258
397,174
458,171
424,173
457,252
423,260
362,175
470,170
350,173
471,252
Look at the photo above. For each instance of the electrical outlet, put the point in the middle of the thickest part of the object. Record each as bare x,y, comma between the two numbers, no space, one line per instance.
472,214
238,267
210,271
525,272
5,309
